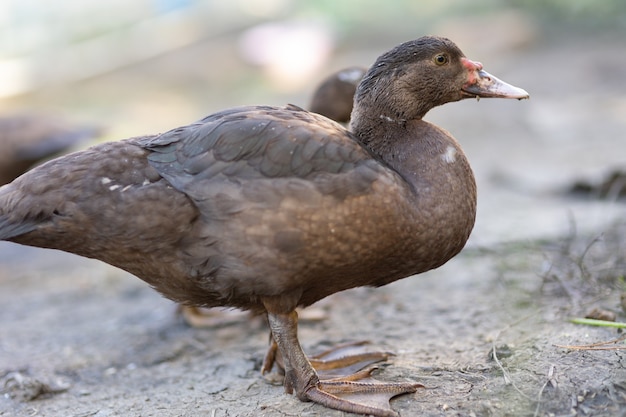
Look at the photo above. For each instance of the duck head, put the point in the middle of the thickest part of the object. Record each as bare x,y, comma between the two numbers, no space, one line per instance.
409,80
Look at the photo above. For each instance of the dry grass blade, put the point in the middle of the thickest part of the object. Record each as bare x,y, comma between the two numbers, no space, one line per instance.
596,346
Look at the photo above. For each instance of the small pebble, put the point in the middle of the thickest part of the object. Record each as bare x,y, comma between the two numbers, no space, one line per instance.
599,314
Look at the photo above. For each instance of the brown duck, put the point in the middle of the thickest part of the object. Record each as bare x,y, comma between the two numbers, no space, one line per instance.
271,208
28,138
334,96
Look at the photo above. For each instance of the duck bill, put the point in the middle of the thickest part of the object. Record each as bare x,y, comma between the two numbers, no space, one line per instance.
481,84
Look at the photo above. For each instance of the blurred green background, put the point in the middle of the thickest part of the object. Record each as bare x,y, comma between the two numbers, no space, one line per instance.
143,66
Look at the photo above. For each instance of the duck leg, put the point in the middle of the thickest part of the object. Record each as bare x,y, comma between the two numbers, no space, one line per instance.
341,360
356,393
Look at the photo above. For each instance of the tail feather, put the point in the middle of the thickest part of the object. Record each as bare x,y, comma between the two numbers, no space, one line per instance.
10,230
12,225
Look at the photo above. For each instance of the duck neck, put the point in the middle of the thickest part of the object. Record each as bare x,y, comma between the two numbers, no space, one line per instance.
378,123
383,132
422,153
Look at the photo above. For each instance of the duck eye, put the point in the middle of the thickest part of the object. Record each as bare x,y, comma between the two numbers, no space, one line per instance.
441,59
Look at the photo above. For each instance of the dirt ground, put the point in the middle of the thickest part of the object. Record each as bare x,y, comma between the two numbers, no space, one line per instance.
80,338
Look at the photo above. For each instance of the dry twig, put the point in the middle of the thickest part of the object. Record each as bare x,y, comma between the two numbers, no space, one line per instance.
597,346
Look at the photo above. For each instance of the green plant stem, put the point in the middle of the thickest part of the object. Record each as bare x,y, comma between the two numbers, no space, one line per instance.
601,323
